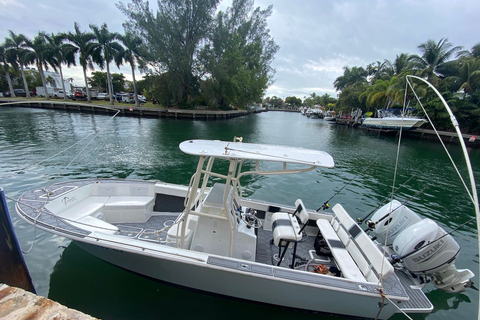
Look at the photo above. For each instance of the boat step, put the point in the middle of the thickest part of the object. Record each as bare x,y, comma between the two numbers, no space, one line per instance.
418,302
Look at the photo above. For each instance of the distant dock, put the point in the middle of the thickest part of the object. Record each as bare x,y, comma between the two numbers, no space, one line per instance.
126,110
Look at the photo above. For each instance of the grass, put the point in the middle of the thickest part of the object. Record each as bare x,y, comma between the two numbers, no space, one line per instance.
148,104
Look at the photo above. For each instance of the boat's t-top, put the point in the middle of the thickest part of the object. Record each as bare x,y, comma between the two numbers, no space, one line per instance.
221,202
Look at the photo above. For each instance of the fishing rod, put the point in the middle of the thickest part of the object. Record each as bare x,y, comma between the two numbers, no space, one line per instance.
372,224
360,220
325,205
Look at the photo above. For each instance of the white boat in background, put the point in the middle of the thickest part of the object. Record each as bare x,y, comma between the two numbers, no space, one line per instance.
330,116
209,237
393,120
316,113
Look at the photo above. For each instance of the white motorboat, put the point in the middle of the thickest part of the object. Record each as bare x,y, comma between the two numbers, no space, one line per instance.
209,237
393,120
330,116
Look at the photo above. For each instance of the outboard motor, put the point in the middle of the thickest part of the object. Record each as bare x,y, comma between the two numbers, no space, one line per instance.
400,218
424,248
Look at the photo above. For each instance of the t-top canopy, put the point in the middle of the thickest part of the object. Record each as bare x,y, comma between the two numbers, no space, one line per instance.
256,151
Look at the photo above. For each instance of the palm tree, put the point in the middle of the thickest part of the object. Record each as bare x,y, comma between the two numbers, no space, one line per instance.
83,41
106,50
4,62
15,45
131,54
41,55
434,56
401,64
63,53
355,75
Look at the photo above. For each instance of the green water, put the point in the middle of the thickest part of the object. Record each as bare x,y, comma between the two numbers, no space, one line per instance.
148,149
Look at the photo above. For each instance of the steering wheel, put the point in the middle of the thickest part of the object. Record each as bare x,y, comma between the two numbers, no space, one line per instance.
252,220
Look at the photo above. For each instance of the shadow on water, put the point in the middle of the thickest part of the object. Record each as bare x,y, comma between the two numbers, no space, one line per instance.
81,281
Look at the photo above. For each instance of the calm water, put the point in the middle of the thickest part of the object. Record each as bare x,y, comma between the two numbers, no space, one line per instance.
148,149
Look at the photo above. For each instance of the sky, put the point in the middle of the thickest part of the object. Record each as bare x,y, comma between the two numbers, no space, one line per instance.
317,38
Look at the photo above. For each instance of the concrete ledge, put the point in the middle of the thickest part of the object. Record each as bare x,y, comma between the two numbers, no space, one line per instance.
20,304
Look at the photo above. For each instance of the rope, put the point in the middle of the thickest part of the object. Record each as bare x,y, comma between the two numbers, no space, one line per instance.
398,308
83,149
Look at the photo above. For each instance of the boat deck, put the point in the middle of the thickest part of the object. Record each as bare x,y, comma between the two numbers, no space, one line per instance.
267,253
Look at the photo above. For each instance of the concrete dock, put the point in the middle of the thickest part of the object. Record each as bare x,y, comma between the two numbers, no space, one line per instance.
19,304
125,109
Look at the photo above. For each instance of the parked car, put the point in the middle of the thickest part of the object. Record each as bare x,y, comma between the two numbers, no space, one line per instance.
20,92
103,96
142,99
79,95
60,94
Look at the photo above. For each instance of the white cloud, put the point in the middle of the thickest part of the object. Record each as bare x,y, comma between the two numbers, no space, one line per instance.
333,65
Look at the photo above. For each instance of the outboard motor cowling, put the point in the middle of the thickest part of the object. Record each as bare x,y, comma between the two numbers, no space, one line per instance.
389,227
426,249
422,254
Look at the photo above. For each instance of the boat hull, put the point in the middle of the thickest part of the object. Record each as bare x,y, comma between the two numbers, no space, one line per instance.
245,284
393,123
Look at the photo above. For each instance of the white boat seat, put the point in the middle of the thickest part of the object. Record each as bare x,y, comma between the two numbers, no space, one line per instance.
366,256
174,234
93,224
85,207
124,209
344,260
287,230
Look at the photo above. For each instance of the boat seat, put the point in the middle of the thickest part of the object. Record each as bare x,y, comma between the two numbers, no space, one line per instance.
344,260
361,250
83,208
93,224
287,231
175,232
128,209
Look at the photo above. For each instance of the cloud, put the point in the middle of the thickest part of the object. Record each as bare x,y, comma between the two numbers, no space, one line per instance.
333,65
316,38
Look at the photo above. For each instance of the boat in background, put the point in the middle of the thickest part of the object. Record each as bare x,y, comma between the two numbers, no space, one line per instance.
330,116
393,120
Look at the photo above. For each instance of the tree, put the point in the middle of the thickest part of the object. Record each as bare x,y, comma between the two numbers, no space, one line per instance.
106,51
41,55
273,102
83,41
15,45
4,63
351,76
63,53
132,53
349,98
99,80
293,101
237,58
434,56
173,35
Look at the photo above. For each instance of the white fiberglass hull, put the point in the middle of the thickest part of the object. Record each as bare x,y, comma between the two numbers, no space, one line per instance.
393,123
246,282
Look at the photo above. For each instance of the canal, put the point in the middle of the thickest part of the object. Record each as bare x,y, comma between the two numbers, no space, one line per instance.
31,145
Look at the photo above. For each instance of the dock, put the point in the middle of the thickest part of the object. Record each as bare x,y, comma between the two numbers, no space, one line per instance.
17,303
126,110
